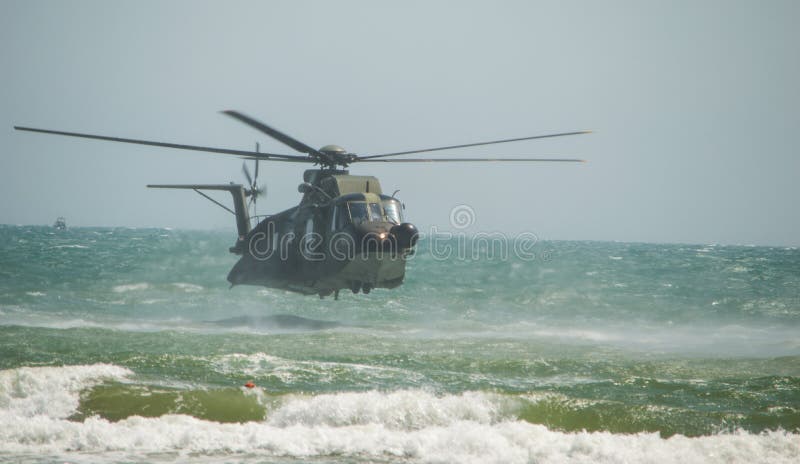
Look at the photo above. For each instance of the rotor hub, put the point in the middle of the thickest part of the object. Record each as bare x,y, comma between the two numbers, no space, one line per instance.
333,150
336,156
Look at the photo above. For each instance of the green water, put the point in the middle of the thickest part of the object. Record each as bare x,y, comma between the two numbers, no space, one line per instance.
119,345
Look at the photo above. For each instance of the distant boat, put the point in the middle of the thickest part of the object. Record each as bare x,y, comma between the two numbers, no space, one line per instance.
60,224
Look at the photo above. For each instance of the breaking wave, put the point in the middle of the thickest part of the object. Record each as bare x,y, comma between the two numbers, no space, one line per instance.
38,407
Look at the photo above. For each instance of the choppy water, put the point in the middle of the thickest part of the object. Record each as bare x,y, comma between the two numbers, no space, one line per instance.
593,352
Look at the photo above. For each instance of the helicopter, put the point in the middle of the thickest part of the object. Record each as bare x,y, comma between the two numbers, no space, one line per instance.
345,234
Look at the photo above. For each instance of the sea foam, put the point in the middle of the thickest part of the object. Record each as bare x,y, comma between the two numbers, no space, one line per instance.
52,392
415,425
131,287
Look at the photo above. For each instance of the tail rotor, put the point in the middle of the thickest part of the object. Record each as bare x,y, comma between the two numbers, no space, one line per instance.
252,181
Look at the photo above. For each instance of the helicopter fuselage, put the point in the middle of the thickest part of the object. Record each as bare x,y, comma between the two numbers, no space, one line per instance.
344,234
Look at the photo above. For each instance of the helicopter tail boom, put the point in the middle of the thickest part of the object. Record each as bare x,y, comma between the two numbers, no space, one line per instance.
240,210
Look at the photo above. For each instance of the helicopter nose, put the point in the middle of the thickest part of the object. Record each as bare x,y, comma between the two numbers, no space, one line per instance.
387,237
406,235
373,237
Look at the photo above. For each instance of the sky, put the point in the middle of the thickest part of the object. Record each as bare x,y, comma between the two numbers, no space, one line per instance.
695,108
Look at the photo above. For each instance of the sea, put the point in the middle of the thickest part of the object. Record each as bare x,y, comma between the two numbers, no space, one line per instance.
122,345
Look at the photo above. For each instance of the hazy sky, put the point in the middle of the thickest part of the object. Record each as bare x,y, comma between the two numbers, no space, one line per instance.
695,104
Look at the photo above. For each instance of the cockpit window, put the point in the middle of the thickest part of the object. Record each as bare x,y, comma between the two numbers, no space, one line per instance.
393,211
358,212
375,212
365,212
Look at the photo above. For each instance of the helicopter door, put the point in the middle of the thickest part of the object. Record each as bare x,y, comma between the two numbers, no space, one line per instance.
311,240
339,218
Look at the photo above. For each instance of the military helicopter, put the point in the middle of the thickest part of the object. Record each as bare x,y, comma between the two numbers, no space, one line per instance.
345,233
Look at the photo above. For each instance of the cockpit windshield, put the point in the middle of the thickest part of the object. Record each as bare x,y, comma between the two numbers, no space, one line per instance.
358,212
393,211
375,212
364,212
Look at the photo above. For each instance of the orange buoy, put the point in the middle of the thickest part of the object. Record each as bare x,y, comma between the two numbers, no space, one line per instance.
250,384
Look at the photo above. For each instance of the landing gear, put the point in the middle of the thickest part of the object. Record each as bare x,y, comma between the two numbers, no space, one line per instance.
356,287
325,293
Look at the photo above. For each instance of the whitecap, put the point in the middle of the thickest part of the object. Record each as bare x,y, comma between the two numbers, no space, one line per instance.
188,288
289,371
461,438
398,410
131,287
52,392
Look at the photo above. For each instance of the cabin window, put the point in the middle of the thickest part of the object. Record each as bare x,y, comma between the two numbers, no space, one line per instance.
393,211
309,226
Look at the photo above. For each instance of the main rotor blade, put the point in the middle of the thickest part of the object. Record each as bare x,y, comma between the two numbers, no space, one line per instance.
462,160
225,187
225,151
562,134
275,134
